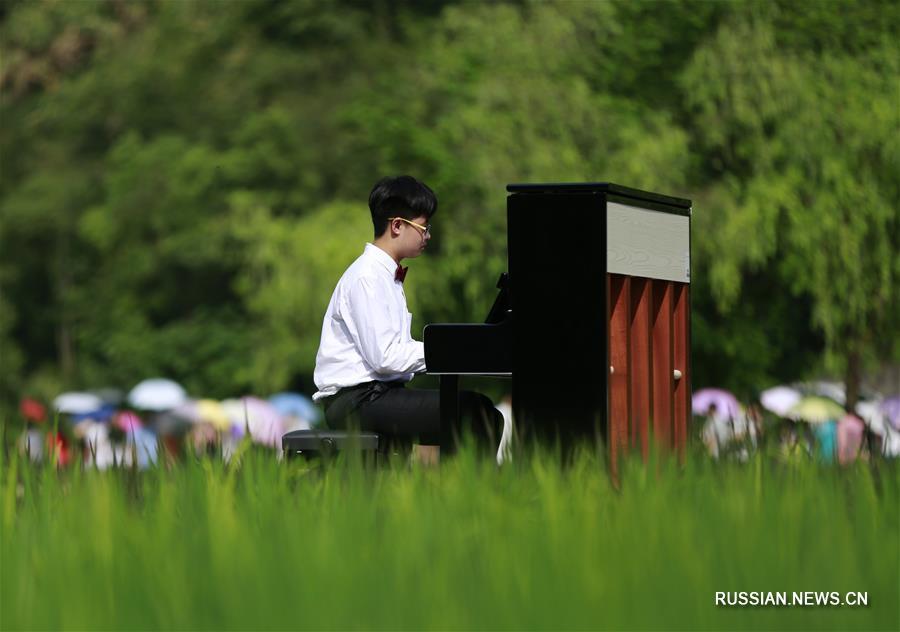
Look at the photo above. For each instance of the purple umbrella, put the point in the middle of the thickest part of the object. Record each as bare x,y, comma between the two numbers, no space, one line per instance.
726,404
891,409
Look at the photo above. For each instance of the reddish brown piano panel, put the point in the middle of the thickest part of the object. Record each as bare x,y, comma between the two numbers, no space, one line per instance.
649,382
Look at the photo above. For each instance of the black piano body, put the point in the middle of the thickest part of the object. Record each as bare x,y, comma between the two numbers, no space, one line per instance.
549,327
474,349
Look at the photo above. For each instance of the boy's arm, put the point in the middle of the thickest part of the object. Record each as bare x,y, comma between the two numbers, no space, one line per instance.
377,335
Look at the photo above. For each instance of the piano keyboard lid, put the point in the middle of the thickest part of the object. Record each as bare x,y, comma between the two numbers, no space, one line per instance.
607,187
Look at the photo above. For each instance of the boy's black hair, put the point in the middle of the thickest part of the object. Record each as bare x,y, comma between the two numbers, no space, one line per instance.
400,196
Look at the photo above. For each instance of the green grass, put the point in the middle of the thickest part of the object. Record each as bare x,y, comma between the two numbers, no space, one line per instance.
534,545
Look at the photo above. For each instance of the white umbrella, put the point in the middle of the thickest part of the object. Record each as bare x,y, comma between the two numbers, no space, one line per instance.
234,409
258,416
869,410
831,390
157,394
77,403
779,399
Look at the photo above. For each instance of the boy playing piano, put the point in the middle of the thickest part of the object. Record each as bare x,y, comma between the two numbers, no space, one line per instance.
366,353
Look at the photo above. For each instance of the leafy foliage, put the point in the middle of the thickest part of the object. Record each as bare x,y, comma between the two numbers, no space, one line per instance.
183,183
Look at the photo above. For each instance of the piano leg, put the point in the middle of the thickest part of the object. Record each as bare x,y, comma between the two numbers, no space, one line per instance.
449,411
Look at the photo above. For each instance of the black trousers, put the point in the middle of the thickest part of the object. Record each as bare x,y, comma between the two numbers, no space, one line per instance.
406,415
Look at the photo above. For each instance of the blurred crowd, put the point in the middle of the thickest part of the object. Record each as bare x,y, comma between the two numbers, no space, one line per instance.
155,419
804,419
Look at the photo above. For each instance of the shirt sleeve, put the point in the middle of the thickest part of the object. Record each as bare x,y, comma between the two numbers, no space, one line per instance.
378,334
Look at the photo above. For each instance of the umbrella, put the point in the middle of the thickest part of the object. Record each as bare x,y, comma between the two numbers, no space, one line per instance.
296,405
259,416
870,412
814,409
210,411
77,403
157,394
103,413
204,411
33,410
891,409
779,399
726,404
832,390
187,411
234,408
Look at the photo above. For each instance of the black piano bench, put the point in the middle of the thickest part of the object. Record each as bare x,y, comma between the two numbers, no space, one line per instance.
327,443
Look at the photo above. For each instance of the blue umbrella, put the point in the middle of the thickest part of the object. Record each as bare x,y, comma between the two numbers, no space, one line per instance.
296,405
103,413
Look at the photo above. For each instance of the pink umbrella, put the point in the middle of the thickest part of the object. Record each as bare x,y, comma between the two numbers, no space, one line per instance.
726,404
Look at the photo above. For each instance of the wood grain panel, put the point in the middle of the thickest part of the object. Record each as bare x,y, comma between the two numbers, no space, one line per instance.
661,360
640,377
619,399
682,397
649,244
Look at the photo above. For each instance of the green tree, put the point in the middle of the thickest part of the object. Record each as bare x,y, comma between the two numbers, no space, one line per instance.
804,154
183,182
498,94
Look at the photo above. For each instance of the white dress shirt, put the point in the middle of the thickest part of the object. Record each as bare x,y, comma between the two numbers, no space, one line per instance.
366,330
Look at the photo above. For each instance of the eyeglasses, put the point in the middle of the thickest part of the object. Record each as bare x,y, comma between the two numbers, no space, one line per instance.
426,229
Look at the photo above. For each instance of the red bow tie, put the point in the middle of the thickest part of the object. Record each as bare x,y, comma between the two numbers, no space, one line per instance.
400,274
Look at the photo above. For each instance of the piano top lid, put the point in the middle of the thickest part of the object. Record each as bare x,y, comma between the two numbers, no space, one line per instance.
598,187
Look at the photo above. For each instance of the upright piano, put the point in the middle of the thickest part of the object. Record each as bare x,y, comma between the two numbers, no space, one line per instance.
598,347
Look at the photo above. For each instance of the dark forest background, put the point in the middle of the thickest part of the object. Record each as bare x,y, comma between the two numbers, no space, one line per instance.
182,183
